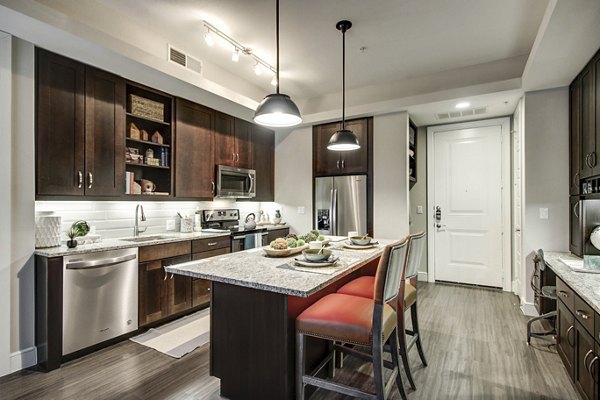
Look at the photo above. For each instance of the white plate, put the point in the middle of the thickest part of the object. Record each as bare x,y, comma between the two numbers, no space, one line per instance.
349,245
316,264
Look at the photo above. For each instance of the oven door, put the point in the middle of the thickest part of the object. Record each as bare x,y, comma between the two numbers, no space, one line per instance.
248,241
235,182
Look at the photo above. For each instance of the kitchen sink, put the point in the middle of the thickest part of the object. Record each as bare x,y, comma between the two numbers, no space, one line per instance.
145,238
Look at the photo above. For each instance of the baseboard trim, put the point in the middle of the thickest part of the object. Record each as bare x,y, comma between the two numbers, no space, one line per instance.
529,309
23,359
422,276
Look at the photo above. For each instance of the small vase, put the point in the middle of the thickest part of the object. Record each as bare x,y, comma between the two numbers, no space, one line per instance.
72,243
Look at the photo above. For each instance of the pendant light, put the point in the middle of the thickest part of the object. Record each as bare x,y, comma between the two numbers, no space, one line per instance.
277,109
344,139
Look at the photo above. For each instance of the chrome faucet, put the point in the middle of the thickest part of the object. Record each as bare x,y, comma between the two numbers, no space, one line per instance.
136,228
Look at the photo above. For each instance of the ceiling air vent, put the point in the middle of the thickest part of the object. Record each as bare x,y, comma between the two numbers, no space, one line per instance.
461,114
186,61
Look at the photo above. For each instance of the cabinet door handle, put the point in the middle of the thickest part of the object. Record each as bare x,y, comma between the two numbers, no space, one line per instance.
171,276
593,159
343,164
166,275
569,337
587,158
90,180
337,163
591,371
237,156
212,183
586,357
563,294
79,179
233,157
212,244
582,314
575,209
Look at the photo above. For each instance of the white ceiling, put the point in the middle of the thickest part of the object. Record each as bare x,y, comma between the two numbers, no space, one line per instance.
421,55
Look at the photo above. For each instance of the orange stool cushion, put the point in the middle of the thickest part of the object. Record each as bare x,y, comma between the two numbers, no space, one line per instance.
344,318
364,287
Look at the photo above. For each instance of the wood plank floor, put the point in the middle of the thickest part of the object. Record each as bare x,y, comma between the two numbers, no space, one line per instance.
474,340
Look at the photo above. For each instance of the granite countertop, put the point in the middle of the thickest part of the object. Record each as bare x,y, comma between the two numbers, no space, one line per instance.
252,268
120,243
586,285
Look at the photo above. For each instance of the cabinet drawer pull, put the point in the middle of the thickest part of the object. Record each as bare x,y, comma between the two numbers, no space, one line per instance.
79,180
582,314
337,163
213,186
563,293
585,359
569,337
212,244
587,160
90,180
575,207
591,370
343,164
166,276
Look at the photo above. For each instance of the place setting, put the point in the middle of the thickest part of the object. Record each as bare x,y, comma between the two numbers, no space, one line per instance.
358,242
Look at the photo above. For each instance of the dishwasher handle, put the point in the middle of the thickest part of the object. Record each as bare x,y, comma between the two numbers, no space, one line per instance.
104,262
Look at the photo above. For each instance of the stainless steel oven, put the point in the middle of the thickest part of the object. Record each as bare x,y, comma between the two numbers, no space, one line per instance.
236,182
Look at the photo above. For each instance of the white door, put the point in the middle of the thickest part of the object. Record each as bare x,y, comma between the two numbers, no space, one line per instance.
517,198
468,191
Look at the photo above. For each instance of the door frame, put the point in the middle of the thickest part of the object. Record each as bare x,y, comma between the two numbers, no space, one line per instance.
504,123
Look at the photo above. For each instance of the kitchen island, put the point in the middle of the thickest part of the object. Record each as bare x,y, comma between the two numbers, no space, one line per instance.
254,304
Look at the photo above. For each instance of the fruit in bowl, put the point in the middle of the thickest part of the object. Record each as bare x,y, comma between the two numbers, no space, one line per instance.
317,254
279,244
361,240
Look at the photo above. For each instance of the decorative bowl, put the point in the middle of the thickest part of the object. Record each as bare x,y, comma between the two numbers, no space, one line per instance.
317,254
595,237
361,240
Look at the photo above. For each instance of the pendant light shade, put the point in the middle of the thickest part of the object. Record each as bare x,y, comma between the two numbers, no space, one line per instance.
277,109
344,139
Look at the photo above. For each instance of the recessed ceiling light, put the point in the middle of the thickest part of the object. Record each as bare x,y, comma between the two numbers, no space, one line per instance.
463,104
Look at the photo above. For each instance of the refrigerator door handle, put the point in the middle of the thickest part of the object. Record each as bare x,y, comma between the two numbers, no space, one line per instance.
334,227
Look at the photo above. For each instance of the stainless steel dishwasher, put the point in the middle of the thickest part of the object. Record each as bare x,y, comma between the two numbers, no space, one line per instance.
100,297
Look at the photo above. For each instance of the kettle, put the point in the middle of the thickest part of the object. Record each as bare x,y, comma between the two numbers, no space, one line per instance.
250,222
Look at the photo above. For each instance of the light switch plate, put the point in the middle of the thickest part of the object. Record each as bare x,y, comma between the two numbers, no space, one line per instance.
300,210
543,213
419,209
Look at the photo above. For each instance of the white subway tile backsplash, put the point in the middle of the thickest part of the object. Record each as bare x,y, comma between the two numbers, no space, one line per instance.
116,218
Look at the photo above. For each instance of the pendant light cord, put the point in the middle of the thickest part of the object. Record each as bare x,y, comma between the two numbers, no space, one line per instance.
277,35
343,78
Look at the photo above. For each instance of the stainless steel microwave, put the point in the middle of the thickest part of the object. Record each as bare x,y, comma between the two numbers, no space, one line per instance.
235,182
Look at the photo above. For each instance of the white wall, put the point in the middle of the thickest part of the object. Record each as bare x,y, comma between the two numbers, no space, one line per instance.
293,177
546,155
390,169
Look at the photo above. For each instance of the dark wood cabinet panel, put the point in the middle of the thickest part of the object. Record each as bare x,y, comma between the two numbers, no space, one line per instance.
243,144
152,292
576,226
224,139
60,108
205,245
575,136
277,233
327,162
179,288
167,250
588,134
263,147
194,165
565,338
584,354
200,293
104,133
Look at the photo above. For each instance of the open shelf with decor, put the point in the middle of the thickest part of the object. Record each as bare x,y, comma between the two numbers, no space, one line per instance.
412,153
149,139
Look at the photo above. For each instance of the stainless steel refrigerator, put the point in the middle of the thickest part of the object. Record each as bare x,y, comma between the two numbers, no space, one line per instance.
341,204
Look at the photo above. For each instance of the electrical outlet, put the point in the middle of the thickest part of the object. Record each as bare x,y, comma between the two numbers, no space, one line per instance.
419,209
543,213
300,210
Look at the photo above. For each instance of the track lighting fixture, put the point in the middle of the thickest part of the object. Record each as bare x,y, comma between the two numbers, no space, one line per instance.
235,57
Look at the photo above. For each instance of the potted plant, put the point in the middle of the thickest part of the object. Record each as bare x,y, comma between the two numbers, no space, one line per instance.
78,229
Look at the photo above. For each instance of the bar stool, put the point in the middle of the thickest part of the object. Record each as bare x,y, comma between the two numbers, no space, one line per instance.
548,292
345,319
407,298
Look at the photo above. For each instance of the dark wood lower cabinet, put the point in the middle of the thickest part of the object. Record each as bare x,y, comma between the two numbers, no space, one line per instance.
151,292
179,288
585,354
206,248
277,233
565,339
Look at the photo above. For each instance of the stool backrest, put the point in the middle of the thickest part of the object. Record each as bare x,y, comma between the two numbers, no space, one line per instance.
539,260
416,246
392,265
540,263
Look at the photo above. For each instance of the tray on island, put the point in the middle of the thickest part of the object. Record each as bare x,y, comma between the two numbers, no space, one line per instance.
290,251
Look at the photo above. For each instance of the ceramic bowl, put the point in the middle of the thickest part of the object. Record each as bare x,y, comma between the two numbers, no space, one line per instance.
317,254
361,240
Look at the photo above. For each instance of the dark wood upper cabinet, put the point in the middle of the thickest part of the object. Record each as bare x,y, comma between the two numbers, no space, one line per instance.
575,136
194,165
327,162
80,129
60,131
233,141
104,133
263,143
588,131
